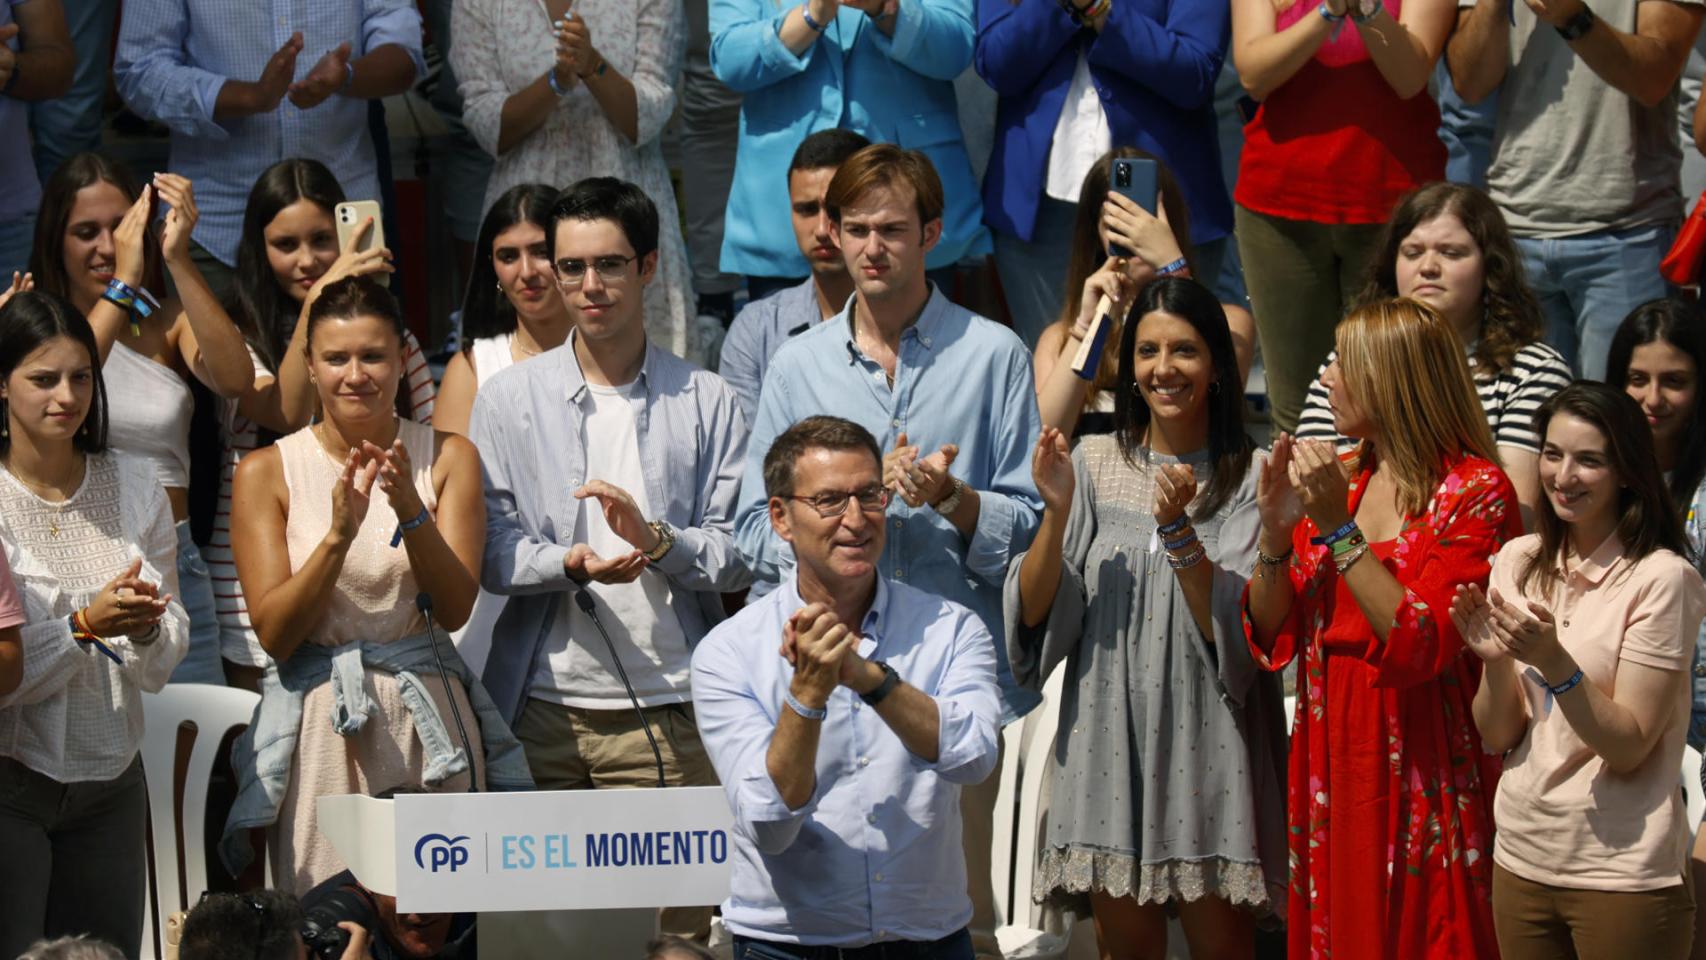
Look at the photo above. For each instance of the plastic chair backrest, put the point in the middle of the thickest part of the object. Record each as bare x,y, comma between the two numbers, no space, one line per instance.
213,712
1041,726
1006,817
1691,788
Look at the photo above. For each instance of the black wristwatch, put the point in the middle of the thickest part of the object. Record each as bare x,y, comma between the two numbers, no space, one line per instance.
890,681
1577,26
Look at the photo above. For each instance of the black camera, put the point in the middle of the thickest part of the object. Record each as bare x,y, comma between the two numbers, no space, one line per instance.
320,931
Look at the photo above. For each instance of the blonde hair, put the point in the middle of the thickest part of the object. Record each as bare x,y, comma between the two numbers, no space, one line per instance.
1405,366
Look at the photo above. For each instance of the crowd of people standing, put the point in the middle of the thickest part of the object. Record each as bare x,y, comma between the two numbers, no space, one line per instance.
820,549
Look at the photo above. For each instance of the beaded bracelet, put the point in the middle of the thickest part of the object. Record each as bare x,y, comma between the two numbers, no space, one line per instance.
1188,560
1348,560
1268,560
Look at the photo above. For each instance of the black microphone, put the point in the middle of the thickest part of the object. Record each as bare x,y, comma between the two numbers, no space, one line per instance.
423,603
583,599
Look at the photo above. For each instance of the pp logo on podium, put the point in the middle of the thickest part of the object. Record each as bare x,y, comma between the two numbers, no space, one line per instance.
440,851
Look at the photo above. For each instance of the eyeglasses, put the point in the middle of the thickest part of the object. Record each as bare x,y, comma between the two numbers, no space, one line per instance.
833,503
611,268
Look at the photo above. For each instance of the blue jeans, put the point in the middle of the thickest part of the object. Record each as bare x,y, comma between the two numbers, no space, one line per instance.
16,239
72,124
1589,283
195,591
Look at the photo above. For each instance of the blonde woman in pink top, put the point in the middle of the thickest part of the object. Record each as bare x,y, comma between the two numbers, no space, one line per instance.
1587,632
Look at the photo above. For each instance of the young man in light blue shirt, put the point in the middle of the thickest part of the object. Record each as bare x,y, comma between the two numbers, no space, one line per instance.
844,712
611,469
948,394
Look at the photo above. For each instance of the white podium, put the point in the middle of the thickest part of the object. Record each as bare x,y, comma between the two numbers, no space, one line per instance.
541,850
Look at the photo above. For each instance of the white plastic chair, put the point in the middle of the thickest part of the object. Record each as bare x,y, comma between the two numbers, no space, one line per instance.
1290,713
212,712
1691,788
1020,938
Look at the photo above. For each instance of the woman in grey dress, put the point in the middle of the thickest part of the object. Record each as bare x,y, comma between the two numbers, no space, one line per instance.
1167,787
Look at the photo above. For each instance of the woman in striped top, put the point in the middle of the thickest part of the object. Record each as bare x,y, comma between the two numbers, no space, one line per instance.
287,255
1447,245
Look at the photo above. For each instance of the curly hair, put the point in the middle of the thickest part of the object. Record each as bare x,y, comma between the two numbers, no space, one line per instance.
1511,317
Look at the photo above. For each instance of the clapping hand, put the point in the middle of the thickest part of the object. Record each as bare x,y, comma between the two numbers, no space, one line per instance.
128,238
181,216
328,76
575,52
20,283
1276,499
621,513
274,82
1051,470
821,650
583,563
1472,615
396,478
1175,488
352,494
1322,482
919,481
127,606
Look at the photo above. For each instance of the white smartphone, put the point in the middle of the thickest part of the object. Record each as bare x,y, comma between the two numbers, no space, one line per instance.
349,216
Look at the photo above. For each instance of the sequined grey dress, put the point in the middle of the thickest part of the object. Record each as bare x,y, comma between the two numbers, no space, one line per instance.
1168,779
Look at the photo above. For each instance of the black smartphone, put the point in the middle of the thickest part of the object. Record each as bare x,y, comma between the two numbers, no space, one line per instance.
1134,178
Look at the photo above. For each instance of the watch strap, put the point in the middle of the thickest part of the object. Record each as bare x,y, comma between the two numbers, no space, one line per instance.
951,502
1577,26
666,540
891,679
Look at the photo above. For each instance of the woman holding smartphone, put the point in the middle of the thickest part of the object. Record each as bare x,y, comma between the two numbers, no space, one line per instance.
88,536
1587,633
95,247
287,254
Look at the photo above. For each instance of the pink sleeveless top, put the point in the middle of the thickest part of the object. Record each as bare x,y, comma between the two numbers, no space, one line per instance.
374,599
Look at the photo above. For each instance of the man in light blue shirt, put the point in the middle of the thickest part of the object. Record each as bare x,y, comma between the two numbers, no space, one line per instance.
611,469
947,393
767,323
843,712
243,85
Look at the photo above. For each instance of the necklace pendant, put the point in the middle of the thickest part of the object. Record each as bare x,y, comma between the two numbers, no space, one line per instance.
53,528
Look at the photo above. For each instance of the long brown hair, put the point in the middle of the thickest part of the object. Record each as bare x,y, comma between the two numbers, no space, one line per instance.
1404,365
1510,315
1087,253
1647,520
58,196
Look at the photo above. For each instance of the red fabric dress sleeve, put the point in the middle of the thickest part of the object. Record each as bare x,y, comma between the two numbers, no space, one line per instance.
1300,569
1473,514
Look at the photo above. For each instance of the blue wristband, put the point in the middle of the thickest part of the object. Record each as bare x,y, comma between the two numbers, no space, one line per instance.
807,16
1349,528
407,525
556,88
1567,685
1177,266
1179,523
807,712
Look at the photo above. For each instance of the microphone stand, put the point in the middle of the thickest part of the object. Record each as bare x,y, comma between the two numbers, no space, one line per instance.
583,599
423,603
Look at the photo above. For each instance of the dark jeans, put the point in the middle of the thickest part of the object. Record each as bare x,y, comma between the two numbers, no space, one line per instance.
72,858
954,946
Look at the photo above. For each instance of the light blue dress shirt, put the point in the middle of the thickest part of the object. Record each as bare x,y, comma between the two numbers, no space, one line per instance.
174,55
529,423
875,853
960,379
758,332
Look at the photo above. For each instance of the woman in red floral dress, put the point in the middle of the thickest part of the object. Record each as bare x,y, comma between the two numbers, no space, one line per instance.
1391,795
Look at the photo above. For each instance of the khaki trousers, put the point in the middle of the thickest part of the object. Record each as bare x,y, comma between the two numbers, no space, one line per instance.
569,748
1537,921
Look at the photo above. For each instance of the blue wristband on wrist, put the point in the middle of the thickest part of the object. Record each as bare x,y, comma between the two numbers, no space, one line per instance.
1568,685
1349,528
806,14
807,712
407,525
1176,267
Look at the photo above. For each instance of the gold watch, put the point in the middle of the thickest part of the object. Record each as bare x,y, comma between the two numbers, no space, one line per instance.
666,540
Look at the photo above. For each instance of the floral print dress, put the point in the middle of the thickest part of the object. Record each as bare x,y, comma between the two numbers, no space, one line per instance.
1390,799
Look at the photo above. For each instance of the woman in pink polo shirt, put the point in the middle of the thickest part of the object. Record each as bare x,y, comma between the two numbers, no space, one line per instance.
1587,632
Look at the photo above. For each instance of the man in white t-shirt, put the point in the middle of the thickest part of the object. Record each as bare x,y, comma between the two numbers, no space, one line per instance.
1586,153
611,468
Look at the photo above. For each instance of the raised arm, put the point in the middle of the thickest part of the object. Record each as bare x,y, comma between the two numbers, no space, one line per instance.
932,38
445,550
498,118
1405,50
638,107
1479,53
1645,64
211,346
1016,42
1178,57
755,44
285,606
1267,57
41,67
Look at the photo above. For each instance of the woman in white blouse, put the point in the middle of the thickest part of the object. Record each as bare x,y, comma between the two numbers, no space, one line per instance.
558,95
90,540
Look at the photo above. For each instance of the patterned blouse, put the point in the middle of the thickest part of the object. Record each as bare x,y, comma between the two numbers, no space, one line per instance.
1390,799
503,46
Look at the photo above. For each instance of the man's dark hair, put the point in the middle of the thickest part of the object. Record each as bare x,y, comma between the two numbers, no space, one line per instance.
812,433
827,148
607,198
671,947
263,925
